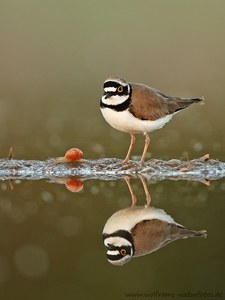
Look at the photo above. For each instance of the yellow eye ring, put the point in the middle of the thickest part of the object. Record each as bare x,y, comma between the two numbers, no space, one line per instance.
123,252
120,89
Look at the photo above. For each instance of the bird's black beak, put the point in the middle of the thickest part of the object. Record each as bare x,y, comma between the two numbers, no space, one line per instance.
108,95
110,246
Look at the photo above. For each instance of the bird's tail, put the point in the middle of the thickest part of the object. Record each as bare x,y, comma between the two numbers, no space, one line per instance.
194,100
182,103
185,233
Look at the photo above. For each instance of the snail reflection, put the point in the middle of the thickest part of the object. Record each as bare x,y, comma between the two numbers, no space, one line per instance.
72,184
138,230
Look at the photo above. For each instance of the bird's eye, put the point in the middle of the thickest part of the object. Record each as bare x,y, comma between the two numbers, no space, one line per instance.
120,89
123,252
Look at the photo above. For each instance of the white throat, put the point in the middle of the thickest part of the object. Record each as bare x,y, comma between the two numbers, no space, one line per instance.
115,100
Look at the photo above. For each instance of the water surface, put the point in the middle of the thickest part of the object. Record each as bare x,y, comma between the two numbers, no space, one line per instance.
54,58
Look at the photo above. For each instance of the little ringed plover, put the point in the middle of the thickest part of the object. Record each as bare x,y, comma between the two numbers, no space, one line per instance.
136,108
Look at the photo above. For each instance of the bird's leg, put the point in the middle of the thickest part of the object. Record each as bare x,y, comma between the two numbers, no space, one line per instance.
132,141
133,196
147,142
147,194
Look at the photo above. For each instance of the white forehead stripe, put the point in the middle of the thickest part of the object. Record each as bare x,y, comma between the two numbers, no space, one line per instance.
113,252
109,89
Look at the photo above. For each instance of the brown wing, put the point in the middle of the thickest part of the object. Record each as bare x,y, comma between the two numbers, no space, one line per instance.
151,235
150,104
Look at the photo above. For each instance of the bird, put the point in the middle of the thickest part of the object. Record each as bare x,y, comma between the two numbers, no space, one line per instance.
135,108
137,231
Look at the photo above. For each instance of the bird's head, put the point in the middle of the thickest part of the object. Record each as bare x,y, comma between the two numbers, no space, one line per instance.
115,91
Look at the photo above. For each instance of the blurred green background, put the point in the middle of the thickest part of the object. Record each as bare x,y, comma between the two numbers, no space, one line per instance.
54,57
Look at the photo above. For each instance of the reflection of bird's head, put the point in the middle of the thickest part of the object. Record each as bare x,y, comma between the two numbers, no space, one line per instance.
119,246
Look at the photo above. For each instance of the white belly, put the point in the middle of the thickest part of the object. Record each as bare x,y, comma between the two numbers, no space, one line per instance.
125,121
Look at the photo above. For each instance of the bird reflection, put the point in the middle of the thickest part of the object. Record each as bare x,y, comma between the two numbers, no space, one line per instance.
138,230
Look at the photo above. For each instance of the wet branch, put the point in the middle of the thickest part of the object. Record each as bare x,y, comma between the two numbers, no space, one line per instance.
201,169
